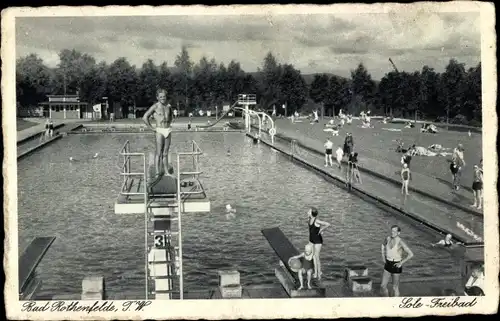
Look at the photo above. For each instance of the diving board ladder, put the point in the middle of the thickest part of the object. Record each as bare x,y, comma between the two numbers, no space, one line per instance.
164,259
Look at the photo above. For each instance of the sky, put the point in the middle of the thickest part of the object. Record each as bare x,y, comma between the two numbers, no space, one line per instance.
313,43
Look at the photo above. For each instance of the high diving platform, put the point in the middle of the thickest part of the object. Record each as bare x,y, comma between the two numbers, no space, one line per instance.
163,201
163,193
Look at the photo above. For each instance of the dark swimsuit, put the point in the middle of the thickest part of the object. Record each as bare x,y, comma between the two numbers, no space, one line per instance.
314,236
307,264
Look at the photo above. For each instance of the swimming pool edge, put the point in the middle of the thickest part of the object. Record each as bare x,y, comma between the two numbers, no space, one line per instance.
393,181
368,196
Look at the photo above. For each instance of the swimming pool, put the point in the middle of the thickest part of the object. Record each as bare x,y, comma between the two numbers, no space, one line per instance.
74,202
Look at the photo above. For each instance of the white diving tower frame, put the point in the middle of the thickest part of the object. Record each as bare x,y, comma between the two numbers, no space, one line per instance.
247,100
162,205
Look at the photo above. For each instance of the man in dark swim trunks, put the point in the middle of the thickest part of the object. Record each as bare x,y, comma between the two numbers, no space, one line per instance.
392,256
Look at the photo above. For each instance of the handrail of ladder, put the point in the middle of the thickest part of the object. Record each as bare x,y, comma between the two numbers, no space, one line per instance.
125,152
195,154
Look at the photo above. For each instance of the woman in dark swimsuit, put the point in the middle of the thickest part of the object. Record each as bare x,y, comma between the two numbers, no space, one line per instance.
316,228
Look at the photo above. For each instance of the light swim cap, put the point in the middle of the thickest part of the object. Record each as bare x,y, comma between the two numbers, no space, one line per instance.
228,206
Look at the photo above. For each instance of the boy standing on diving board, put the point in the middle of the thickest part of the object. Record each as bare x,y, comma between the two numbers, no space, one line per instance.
161,112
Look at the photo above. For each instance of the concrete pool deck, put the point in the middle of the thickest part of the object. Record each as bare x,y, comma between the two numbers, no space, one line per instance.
31,132
420,183
464,226
415,287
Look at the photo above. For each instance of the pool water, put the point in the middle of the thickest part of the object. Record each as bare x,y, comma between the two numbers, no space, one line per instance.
74,202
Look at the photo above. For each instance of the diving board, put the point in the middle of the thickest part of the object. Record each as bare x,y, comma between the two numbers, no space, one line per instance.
28,262
284,249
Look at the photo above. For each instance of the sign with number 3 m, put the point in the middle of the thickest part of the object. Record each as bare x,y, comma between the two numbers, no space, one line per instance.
160,241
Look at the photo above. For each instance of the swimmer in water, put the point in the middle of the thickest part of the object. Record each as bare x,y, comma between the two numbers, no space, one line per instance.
230,212
446,242
228,152
307,260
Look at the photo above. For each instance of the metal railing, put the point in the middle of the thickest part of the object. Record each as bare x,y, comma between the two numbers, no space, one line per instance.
181,196
127,154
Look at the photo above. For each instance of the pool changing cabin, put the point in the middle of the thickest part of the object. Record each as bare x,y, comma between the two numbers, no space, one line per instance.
163,204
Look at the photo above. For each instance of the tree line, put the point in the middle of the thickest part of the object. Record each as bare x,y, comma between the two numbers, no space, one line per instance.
453,95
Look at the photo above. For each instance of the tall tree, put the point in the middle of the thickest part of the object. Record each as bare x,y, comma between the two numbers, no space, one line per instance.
429,90
472,100
362,84
149,78
182,78
319,87
338,95
73,70
164,80
452,87
33,80
271,74
122,84
293,88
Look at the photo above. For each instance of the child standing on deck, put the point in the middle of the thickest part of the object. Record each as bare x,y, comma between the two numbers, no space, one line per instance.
405,178
340,154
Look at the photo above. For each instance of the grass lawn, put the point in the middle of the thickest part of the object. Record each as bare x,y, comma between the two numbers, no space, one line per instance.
379,143
23,124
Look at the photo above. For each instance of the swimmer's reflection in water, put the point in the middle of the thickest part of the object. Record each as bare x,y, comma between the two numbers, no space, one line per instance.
230,212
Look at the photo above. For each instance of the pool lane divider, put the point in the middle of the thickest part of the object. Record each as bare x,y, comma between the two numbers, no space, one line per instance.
391,180
366,195
39,146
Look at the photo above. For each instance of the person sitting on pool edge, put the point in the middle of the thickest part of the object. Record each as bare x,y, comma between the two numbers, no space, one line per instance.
162,113
307,260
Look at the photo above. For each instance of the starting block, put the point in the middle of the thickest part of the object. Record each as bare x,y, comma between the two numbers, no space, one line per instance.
360,284
229,284
93,288
357,279
355,271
